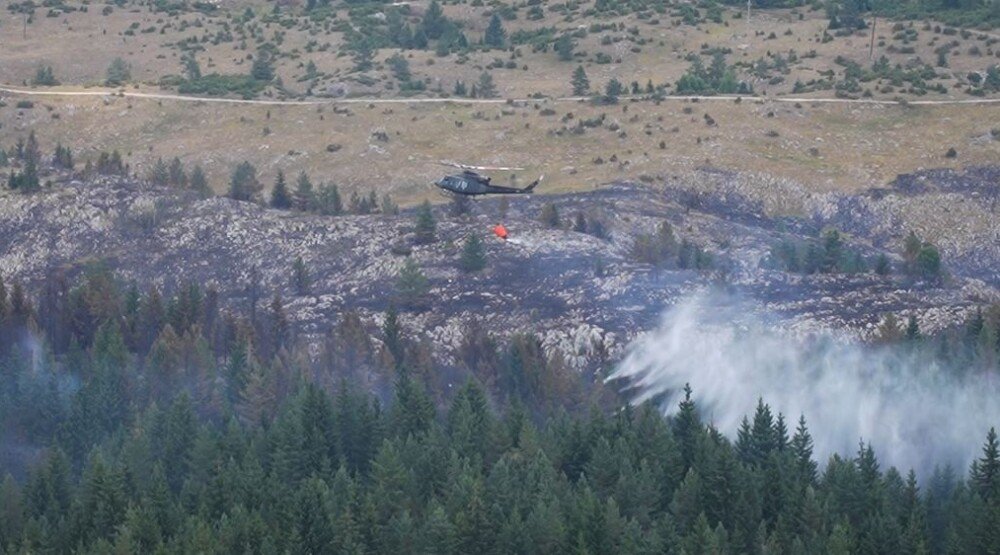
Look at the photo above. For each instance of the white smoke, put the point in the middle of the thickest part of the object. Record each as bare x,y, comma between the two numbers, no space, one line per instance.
915,413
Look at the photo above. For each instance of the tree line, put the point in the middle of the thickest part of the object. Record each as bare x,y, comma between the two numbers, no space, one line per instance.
158,423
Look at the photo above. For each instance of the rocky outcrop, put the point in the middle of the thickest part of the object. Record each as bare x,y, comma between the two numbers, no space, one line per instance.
582,295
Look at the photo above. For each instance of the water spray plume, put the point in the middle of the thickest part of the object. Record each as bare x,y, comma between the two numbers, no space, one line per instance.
915,412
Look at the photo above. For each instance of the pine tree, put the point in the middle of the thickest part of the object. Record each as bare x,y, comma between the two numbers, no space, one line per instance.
44,77
118,73
304,196
243,184
199,183
363,51
549,216
280,197
473,258
912,332
329,202
911,248
388,207
190,65
301,280
413,410
392,334
564,47
176,174
261,69
986,477
687,428
433,24
495,35
159,173
485,86
762,436
802,448
613,90
11,512
63,157
279,324
426,225
412,284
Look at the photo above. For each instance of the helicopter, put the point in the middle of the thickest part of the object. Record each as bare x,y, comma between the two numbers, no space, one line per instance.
470,183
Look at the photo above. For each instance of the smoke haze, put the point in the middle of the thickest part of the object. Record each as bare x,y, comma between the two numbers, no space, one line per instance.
914,413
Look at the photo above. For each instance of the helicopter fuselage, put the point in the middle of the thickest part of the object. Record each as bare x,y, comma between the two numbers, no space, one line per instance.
471,184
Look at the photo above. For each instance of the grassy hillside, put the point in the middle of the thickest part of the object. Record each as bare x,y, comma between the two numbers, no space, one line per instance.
577,145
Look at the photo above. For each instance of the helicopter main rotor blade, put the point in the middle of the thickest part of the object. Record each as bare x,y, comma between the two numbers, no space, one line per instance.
484,168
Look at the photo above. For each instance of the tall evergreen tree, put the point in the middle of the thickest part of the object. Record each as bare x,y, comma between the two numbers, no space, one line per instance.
580,83
495,35
411,284
301,280
564,47
199,183
280,197
426,225
243,184
304,196
473,258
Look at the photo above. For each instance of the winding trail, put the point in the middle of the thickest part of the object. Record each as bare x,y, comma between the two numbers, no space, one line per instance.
730,98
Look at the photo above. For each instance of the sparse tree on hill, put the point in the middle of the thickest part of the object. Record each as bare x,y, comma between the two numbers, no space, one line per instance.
118,73
159,173
434,22
199,183
44,77
473,258
261,69
613,90
389,207
400,67
301,280
176,174
243,184
363,51
63,157
882,265
485,87
564,47
495,35
411,284
426,225
191,68
280,197
549,216
329,201
304,196
581,85
912,329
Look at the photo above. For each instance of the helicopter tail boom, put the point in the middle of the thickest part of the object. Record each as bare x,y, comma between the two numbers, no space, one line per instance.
533,184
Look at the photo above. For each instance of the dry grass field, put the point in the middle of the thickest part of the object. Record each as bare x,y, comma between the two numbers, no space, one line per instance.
79,46
577,145
827,146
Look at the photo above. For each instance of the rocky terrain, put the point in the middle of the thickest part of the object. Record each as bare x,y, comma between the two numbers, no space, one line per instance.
582,294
